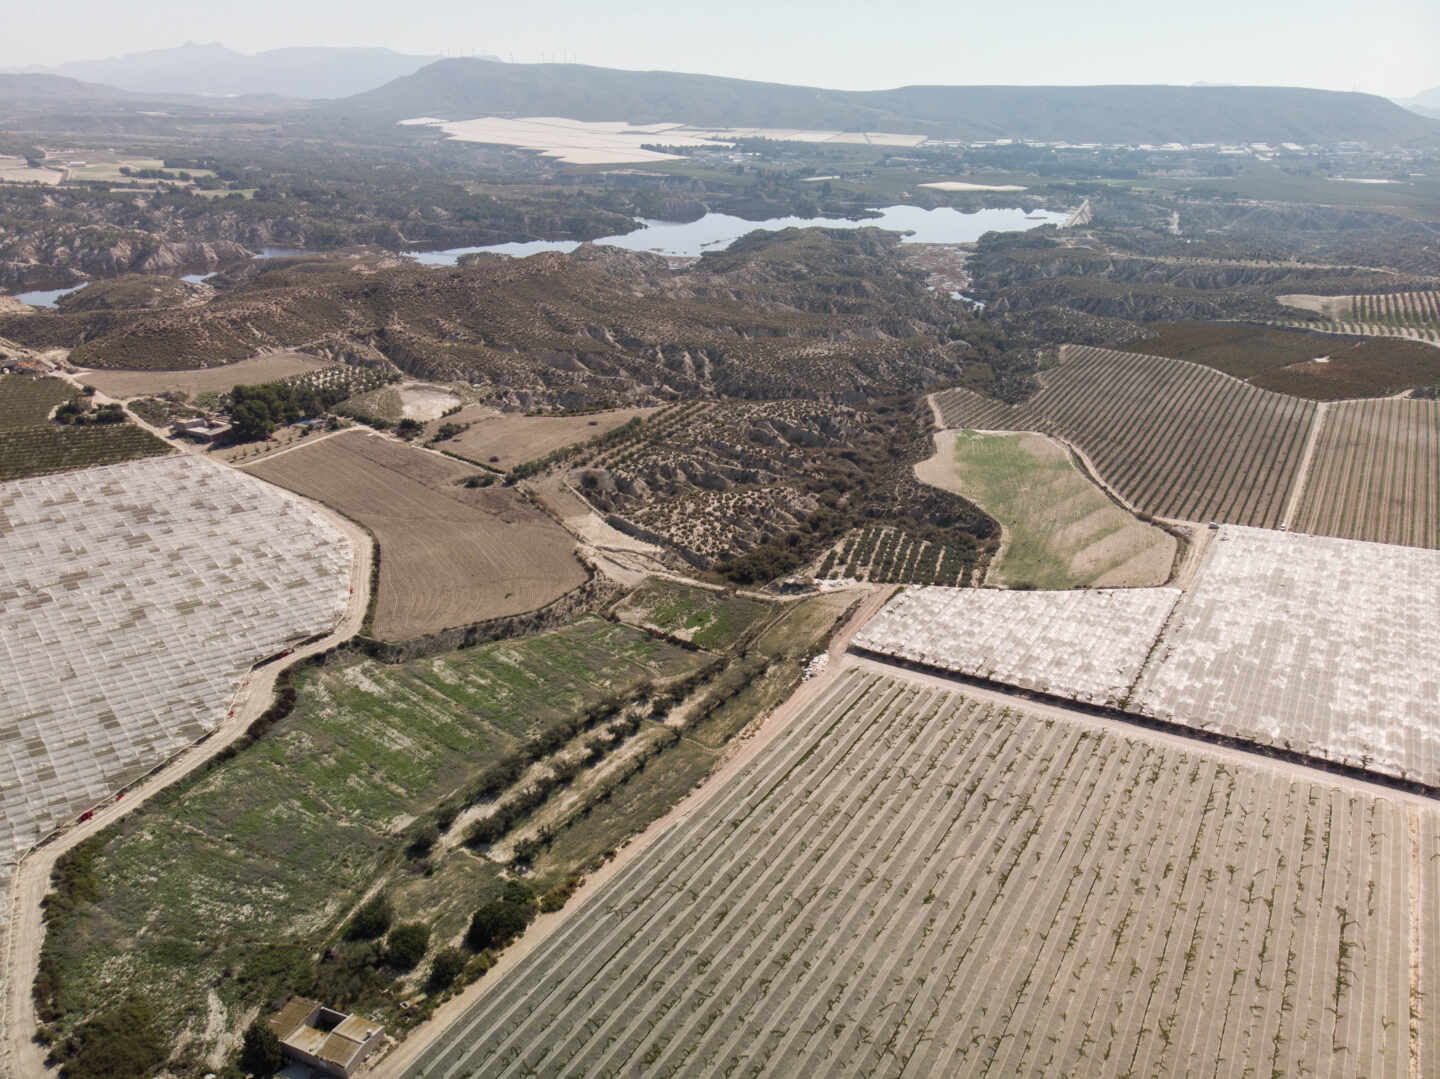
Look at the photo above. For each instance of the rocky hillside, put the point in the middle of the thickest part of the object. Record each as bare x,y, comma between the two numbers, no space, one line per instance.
805,313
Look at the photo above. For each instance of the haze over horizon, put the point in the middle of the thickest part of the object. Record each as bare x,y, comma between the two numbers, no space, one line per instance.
1384,49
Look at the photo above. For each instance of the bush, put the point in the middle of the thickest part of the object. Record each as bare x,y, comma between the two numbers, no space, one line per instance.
406,945
408,428
499,922
120,1043
260,1052
445,968
371,920
422,840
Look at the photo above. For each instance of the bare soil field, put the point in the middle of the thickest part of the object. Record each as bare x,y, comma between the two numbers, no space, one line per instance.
504,440
1059,529
449,555
1376,473
908,881
266,368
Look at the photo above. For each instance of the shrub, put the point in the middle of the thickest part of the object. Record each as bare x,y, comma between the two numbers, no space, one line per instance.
260,1052
121,1042
497,923
445,968
371,920
422,840
406,945
408,428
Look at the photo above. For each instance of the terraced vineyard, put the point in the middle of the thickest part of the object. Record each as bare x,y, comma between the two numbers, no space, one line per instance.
1175,439
1376,473
1412,315
911,882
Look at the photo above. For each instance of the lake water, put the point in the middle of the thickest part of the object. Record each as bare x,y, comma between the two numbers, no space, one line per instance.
45,297
715,232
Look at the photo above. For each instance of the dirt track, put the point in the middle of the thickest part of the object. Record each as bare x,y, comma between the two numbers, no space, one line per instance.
20,1057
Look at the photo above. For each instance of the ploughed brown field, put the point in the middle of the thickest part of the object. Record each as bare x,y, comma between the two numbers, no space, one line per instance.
502,441
266,368
449,555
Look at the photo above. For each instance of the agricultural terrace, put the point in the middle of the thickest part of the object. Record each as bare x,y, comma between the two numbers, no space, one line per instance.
450,555
1302,363
1059,530
893,556
270,367
503,440
32,445
1376,473
1173,438
238,878
133,600
707,619
1323,646
1413,315
1085,645
908,882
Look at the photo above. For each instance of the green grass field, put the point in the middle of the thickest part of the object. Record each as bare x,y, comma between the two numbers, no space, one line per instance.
710,620
233,880
1059,529
1283,360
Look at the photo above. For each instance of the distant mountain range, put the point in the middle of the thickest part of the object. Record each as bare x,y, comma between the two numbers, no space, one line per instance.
468,88
1426,103
215,71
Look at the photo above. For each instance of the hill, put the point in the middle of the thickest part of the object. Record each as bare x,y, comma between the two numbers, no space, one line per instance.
467,88
214,70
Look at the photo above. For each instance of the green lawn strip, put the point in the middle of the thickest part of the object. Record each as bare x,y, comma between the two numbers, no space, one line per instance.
233,879
1034,497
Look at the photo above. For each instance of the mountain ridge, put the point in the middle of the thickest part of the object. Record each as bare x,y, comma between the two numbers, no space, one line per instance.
459,89
212,70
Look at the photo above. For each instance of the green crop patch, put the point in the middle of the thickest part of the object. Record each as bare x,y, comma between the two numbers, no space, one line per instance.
707,619
237,878
26,401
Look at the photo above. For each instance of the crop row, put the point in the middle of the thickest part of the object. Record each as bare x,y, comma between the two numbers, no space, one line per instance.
912,882
346,380
889,555
1398,308
620,451
48,448
1376,473
1175,439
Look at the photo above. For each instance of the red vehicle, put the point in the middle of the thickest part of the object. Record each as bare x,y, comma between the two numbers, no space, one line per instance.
86,815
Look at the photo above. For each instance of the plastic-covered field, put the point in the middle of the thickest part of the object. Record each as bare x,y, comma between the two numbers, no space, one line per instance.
909,882
1086,645
133,600
1325,646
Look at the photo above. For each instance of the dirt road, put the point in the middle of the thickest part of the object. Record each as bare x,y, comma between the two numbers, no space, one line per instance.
20,1057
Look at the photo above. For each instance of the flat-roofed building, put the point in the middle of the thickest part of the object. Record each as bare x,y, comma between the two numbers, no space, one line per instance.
326,1039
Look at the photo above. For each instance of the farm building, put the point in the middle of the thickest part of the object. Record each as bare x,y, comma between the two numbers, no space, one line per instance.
320,1037
202,429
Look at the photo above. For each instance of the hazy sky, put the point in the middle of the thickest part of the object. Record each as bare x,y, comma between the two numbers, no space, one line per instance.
1383,46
